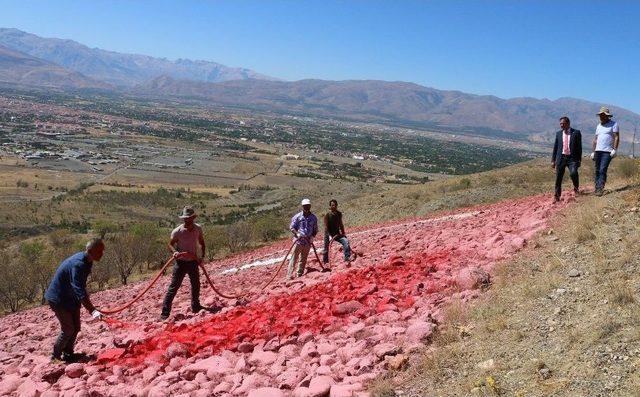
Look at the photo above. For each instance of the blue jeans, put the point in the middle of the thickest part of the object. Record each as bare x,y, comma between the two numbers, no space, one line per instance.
345,247
602,160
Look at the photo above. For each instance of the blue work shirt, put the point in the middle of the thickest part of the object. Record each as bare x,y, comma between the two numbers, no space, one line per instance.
305,225
69,284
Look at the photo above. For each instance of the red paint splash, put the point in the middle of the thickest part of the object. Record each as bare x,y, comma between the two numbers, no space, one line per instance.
377,288
433,251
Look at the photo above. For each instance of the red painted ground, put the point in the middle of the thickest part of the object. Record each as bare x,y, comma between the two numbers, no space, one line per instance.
337,328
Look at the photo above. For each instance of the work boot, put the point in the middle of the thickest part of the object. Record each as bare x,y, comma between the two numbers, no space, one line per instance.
598,192
163,317
556,199
72,357
196,309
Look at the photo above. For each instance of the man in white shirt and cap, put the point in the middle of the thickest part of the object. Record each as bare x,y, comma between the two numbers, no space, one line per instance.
304,226
604,146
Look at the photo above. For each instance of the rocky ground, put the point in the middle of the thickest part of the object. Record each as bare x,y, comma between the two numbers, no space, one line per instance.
560,319
328,333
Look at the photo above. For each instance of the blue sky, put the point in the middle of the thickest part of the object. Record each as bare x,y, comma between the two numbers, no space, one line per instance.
543,49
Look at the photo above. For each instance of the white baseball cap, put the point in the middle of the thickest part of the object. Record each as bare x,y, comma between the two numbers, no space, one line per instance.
306,202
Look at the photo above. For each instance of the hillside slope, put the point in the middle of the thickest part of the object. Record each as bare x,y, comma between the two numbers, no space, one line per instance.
337,330
560,320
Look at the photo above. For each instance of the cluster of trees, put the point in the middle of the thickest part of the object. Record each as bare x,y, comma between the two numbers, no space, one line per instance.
27,268
130,250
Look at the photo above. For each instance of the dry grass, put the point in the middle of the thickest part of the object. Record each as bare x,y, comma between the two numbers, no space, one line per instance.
621,294
584,224
382,387
534,312
627,167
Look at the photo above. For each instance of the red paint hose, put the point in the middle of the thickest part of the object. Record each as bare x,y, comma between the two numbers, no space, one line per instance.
206,274
284,260
134,300
275,275
214,287
317,257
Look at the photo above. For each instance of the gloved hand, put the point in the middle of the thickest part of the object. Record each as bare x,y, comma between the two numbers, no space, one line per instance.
96,315
613,153
593,155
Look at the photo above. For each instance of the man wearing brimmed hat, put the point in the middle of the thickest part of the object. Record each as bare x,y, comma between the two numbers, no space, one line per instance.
304,226
605,144
184,246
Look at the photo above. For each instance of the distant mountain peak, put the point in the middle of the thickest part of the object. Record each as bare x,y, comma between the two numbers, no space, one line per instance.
19,68
119,69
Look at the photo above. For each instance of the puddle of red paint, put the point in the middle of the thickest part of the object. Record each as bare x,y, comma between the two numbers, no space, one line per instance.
310,309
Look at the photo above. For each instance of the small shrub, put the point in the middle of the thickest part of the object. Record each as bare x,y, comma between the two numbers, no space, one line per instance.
584,225
383,387
413,195
608,329
621,294
268,228
238,236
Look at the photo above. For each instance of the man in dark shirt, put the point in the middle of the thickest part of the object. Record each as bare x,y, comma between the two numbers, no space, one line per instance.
334,229
66,292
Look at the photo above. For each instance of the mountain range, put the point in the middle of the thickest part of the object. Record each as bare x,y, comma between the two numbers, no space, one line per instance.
19,68
402,102
118,69
28,59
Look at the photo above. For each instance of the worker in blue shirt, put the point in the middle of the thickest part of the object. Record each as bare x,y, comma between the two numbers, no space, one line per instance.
66,292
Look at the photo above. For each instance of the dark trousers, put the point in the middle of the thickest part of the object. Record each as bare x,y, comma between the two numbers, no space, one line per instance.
180,269
566,162
602,160
69,327
345,247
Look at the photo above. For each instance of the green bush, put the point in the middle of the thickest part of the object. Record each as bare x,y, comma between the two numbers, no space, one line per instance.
268,228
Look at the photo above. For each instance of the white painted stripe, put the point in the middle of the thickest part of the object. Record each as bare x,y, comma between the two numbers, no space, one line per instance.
267,262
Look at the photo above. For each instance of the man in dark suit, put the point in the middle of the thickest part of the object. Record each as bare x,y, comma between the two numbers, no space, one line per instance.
567,153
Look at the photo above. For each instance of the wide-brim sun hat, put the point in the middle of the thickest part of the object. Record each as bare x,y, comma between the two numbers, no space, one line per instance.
305,202
187,212
604,110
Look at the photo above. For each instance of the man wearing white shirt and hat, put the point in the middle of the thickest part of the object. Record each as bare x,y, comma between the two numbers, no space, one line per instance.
304,226
605,145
